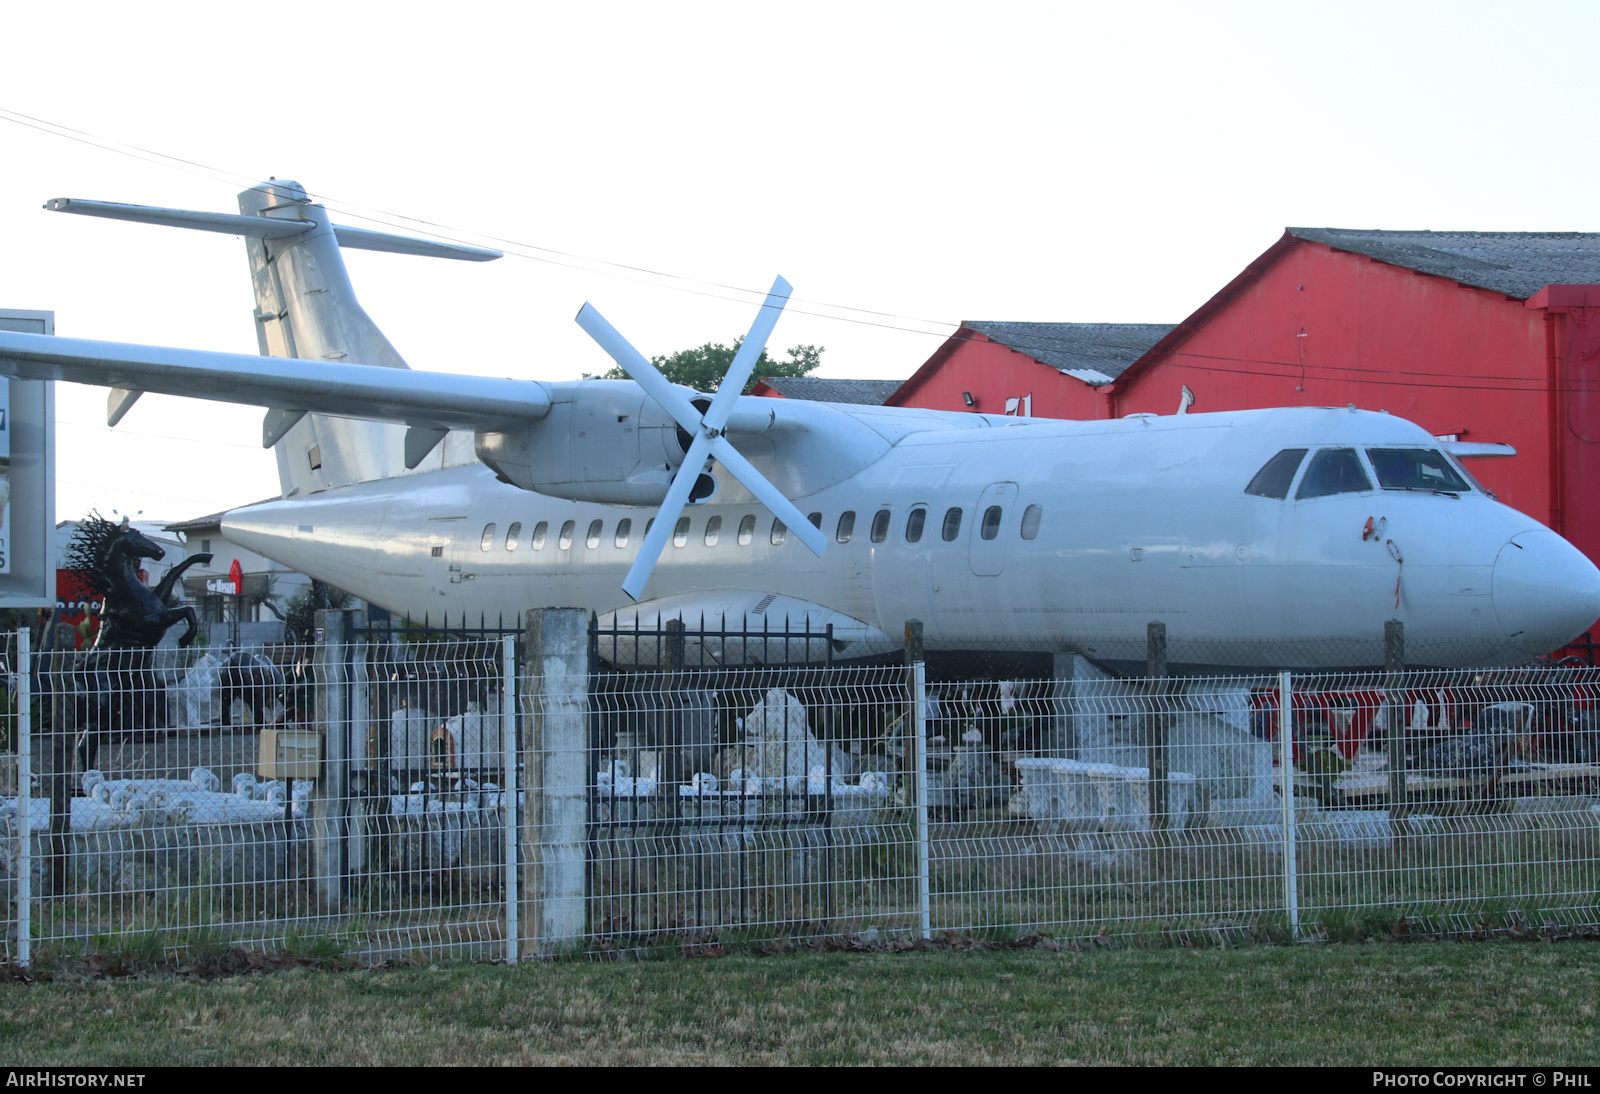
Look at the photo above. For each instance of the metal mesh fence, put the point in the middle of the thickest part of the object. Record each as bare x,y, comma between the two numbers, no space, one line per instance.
347,793
469,798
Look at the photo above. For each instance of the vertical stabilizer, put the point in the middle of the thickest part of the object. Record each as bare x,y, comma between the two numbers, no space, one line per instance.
307,308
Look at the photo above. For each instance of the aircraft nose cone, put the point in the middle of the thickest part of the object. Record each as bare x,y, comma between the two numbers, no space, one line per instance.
1545,591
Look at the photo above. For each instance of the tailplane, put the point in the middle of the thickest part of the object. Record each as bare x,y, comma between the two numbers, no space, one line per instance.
305,307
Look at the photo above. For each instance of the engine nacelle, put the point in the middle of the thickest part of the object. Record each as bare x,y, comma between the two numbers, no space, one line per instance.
602,441
605,441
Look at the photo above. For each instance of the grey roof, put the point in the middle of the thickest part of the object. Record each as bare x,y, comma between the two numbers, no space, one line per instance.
1518,264
816,389
1078,348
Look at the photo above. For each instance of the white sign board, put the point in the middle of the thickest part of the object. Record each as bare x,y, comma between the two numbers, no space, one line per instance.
27,478
5,476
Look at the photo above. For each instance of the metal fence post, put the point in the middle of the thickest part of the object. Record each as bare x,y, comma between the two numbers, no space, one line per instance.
1291,886
508,788
1156,668
24,799
916,781
1394,663
555,819
919,739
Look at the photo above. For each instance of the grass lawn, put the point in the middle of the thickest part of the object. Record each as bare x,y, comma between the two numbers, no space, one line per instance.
1381,1003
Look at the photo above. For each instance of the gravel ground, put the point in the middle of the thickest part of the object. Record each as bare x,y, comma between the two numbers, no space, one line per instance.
173,754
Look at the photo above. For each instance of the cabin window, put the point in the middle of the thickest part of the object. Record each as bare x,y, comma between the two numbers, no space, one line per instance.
565,542
593,539
914,522
780,532
649,524
991,522
880,526
1030,521
952,524
513,534
1273,480
624,528
1334,471
680,532
847,526
747,529
713,531
816,520
488,537
1415,469
540,530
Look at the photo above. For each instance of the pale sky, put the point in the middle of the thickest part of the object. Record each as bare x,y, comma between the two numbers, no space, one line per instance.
1045,162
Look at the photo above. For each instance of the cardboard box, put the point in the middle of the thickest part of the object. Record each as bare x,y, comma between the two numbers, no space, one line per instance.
290,754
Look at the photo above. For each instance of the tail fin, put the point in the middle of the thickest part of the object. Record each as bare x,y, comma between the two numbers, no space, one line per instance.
307,308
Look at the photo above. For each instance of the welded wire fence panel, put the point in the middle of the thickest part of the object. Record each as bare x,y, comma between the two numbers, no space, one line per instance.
354,796
427,779
1458,802
1047,818
728,804
337,797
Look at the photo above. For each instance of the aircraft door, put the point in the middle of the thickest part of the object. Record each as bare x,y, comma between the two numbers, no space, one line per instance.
996,512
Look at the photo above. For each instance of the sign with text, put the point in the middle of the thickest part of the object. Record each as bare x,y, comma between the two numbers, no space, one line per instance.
27,477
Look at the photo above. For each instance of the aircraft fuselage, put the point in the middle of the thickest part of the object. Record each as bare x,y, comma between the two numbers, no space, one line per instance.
1128,521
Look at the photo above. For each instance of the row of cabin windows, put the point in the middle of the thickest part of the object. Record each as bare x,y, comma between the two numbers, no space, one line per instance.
916,520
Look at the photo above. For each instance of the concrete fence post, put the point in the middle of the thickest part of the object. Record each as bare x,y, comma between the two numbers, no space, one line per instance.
555,701
330,795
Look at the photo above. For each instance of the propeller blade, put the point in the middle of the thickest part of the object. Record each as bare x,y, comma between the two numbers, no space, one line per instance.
655,385
769,495
744,362
666,518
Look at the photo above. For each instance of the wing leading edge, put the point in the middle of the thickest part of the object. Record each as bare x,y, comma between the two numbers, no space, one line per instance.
285,386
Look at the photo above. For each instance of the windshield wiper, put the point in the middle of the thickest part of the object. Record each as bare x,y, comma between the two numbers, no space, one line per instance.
1428,490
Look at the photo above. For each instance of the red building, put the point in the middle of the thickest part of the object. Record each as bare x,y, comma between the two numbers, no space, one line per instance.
1481,336
1039,370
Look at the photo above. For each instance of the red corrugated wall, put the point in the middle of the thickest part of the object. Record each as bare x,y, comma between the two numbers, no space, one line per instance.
993,373
1325,328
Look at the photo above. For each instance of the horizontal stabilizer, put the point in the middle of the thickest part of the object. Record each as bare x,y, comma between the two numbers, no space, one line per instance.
362,239
227,223
261,227
285,384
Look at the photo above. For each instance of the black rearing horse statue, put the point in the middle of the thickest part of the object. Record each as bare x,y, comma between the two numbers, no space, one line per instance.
116,689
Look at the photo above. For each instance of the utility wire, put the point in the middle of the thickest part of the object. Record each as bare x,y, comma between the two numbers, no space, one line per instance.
717,290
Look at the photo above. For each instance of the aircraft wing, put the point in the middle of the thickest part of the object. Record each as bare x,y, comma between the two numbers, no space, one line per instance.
288,386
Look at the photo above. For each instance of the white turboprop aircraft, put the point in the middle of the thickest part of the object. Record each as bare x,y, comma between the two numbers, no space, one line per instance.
1263,539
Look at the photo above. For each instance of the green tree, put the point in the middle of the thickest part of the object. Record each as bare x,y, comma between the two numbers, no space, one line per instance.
704,367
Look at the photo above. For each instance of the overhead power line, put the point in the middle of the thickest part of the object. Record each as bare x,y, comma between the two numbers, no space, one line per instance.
720,290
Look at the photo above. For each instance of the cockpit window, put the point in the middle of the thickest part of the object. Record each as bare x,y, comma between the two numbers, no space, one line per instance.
1334,471
1273,480
1415,469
